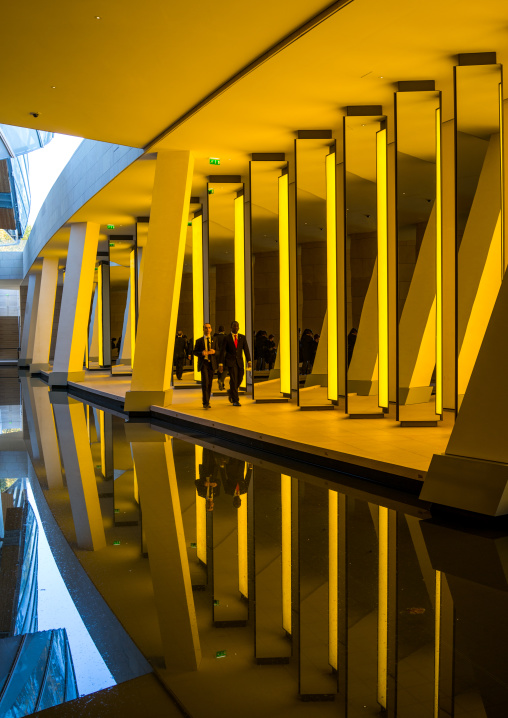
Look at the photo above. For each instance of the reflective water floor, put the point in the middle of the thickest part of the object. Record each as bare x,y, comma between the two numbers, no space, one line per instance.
244,587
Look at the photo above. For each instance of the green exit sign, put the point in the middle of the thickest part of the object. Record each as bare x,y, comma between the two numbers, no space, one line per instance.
214,161
220,654
189,224
211,190
111,226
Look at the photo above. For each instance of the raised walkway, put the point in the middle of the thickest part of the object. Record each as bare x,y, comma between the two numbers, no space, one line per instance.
377,450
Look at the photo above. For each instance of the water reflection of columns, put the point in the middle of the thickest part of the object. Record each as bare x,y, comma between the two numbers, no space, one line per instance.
79,471
317,680
473,640
43,413
272,643
169,565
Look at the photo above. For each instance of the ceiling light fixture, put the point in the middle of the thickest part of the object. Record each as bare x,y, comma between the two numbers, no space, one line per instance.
97,17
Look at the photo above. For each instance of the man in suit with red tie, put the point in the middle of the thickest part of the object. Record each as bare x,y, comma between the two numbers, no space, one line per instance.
231,355
204,350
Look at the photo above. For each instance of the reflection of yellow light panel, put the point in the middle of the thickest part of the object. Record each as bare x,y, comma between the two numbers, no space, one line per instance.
99,315
382,268
437,638
243,582
285,328
331,266
239,255
285,491
333,578
197,284
132,307
103,441
382,615
439,272
200,511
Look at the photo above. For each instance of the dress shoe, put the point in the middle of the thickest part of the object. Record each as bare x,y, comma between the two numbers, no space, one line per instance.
229,397
206,406
236,403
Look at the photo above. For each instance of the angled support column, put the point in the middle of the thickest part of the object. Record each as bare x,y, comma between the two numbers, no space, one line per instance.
27,338
45,314
472,474
162,521
160,293
79,471
75,310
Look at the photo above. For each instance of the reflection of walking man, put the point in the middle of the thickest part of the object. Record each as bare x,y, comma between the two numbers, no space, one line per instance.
231,355
204,350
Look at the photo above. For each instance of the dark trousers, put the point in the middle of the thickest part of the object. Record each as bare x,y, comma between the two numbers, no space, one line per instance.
221,375
179,366
235,379
206,381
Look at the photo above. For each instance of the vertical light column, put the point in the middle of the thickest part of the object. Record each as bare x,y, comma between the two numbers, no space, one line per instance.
45,314
331,268
285,488
439,271
75,308
437,638
100,323
132,302
29,321
162,279
333,577
284,288
243,574
382,625
197,284
501,172
382,266
239,258
200,511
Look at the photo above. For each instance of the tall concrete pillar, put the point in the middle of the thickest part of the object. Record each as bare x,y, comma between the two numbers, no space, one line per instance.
45,314
27,338
162,278
76,296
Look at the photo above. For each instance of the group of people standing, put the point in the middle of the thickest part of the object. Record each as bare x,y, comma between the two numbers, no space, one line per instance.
265,350
308,348
222,353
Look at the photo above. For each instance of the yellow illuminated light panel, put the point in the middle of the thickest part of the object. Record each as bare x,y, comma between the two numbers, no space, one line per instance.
200,511
437,638
197,284
285,328
239,258
331,268
439,272
285,490
382,615
99,315
132,307
382,268
333,586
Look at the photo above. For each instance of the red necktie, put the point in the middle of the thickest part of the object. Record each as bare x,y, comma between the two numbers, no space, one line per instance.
236,341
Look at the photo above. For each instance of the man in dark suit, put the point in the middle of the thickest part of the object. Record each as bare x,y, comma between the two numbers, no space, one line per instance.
231,355
204,350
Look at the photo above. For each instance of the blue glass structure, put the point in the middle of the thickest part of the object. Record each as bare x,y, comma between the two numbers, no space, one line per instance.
15,144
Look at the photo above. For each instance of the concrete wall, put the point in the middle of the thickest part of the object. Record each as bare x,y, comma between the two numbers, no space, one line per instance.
266,306
91,167
11,265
